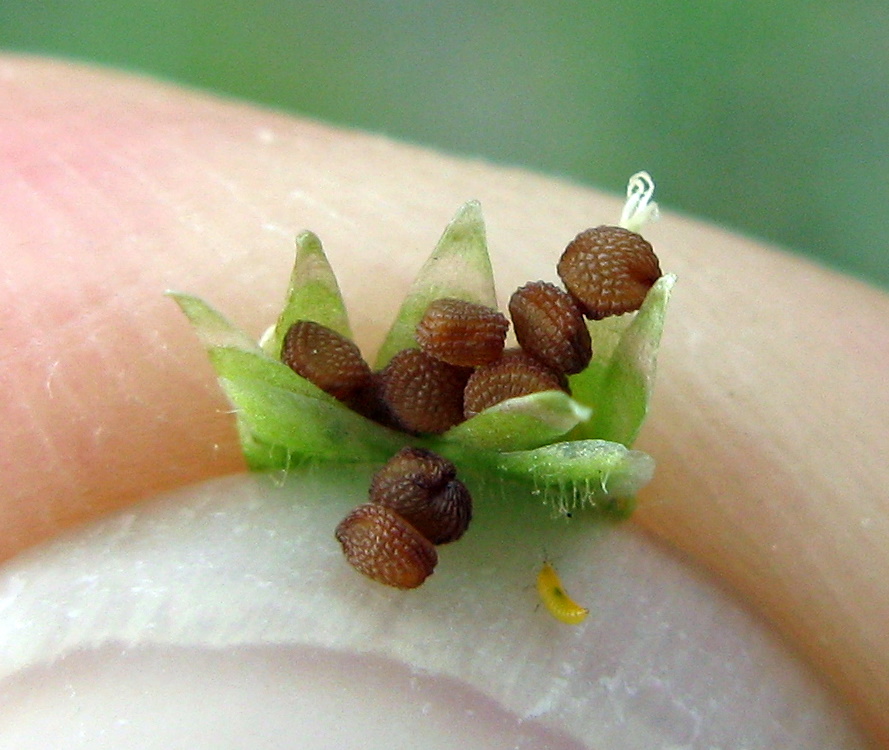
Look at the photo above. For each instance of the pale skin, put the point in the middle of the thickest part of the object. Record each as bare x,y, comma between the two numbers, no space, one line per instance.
768,423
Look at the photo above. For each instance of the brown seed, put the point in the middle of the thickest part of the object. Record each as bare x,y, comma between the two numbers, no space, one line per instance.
462,333
608,270
515,374
550,326
424,394
421,486
368,402
382,545
325,358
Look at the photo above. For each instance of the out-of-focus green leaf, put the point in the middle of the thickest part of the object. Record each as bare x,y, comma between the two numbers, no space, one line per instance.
458,267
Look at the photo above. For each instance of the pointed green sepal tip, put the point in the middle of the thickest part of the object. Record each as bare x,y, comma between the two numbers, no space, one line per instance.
458,267
314,294
212,328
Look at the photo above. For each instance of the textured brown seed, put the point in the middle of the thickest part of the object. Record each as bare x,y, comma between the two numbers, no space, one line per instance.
382,545
608,270
462,333
515,374
325,358
424,394
368,402
421,486
549,325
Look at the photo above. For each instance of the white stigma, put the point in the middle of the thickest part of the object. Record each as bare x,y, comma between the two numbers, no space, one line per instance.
639,208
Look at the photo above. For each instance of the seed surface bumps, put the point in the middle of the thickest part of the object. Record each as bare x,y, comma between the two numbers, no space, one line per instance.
549,325
325,358
462,333
515,374
422,487
608,270
424,394
384,546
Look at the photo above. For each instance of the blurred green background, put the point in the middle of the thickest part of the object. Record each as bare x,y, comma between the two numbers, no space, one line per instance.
771,118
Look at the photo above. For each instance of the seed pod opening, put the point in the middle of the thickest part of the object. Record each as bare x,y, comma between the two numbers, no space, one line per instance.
421,486
462,333
385,547
550,326
424,394
325,358
608,270
515,374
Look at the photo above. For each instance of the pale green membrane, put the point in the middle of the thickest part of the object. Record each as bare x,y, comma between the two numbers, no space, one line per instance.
520,423
211,327
266,458
458,267
618,385
605,335
236,365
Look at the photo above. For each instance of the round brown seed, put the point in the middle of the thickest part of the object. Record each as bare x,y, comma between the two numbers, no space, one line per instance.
424,394
550,326
325,358
515,374
384,546
462,333
421,486
608,270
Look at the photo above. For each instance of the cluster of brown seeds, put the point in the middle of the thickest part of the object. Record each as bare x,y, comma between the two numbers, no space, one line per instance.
416,502
461,366
460,369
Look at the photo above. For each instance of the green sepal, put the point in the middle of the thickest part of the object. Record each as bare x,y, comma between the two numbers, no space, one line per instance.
578,474
314,294
282,418
235,356
618,383
236,364
212,328
520,423
458,267
308,428
261,456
